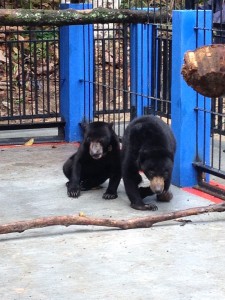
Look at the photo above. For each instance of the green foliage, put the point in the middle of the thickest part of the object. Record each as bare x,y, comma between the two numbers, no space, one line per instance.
140,3
29,4
170,4
49,35
133,4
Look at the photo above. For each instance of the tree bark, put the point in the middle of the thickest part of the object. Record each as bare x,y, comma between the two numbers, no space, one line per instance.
38,17
143,222
204,70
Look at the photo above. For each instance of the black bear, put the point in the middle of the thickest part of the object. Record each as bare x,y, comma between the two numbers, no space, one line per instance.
148,146
96,160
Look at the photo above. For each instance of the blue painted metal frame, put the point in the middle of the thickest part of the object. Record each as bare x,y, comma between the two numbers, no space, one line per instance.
76,74
76,90
141,65
193,142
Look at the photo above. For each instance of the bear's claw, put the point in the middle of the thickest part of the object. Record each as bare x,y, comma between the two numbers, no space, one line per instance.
144,206
73,192
108,196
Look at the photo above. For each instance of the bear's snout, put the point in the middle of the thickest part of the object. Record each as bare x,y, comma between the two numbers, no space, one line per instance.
157,185
96,150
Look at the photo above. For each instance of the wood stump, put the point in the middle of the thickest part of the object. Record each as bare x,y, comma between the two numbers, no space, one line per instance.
204,70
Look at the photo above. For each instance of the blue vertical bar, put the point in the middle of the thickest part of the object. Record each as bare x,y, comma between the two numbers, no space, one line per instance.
204,119
76,74
184,99
141,67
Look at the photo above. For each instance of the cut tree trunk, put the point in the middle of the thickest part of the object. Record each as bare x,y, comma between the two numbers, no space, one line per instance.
144,222
204,70
39,17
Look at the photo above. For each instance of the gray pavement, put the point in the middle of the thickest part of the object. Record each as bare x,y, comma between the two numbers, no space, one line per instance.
165,262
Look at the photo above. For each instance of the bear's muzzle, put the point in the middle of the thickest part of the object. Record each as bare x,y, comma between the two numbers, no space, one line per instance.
157,185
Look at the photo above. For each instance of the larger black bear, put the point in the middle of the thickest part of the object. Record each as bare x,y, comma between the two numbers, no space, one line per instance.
149,146
97,159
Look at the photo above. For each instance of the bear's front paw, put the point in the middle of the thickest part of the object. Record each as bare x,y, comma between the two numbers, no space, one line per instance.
109,196
73,192
165,196
144,206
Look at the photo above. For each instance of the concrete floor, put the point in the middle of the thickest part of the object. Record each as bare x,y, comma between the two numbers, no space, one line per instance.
165,262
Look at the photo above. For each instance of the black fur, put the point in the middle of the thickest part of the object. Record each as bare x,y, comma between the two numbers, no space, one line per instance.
148,145
97,159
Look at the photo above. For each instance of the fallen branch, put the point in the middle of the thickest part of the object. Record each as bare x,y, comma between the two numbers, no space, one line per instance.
143,222
40,17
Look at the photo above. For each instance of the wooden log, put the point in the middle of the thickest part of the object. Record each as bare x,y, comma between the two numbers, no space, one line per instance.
143,222
204,70
40,17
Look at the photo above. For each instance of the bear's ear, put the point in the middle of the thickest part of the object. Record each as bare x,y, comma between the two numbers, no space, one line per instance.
171,156
138,126
111,125
144,153
83,125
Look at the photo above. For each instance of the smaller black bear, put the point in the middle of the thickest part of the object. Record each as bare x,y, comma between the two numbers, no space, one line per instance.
96,160
149,146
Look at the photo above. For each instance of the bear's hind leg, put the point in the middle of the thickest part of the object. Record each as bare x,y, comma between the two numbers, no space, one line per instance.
88,183
67,167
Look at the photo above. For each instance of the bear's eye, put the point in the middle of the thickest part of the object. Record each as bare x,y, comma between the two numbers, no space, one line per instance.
88,139
166,174
101,141
151,174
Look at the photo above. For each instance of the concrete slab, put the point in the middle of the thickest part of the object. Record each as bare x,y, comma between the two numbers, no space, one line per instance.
167,261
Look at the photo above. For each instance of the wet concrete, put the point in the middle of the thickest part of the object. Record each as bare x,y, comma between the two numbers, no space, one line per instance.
167,261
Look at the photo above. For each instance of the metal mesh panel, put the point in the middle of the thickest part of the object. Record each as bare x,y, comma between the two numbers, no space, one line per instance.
30,70
113,67
29,73
216,112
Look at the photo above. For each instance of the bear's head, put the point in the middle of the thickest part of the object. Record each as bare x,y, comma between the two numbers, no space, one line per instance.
97,137
157,165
